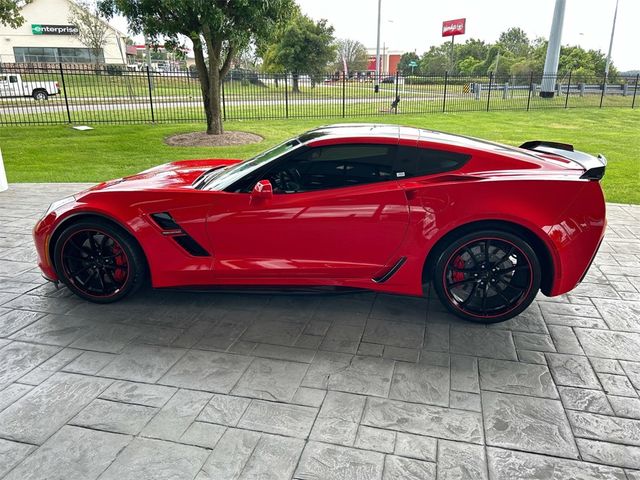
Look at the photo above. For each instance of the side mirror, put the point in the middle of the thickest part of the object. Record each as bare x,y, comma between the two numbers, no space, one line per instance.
262,191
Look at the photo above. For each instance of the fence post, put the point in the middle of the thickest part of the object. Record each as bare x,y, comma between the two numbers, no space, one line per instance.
395,110
224,103
286,95
566,100
64,90
477,90
444,97
604,87
490,84
153,116
344,94
530,88
635,90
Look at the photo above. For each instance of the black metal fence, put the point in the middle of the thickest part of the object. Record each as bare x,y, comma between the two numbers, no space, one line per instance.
56,94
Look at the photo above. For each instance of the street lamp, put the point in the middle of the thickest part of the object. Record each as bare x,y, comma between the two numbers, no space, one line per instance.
376,87
613,31
547,89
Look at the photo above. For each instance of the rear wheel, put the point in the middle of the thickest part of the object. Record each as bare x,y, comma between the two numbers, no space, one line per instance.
487,276
40,95
99,261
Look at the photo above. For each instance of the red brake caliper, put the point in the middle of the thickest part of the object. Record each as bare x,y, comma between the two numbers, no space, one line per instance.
460,264
120,273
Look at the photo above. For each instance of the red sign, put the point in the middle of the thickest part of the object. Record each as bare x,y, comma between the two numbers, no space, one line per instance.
453,27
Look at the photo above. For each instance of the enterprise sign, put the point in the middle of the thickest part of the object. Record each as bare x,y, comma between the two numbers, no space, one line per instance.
38,29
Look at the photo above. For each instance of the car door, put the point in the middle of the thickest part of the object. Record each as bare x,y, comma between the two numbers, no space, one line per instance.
337,212
13,86
4,86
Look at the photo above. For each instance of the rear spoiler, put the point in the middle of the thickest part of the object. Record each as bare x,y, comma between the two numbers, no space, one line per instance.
594,166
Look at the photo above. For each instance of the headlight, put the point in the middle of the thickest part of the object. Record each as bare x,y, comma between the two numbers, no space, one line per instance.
59,203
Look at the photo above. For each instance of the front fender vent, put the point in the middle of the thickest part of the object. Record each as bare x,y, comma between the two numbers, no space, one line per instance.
191,246
172,229
165,221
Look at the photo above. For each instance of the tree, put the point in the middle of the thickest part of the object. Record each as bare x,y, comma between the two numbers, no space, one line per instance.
405,60
219,29
92,29
305,46
474,48
436,61
352,53
515,41
10,12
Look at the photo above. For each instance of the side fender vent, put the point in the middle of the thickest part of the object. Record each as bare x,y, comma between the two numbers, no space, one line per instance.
170,228
165,221
191,246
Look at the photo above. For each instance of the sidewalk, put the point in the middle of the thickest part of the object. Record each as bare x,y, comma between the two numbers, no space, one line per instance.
361,386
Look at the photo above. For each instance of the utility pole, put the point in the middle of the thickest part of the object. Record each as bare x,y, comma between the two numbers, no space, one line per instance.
148,54
548,87
376,87
613,31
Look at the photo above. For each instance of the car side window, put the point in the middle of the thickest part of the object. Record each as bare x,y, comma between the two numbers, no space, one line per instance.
333,166
416,162
13,79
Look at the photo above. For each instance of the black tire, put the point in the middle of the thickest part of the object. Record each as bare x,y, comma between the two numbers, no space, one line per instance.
40,95
487,287
105,252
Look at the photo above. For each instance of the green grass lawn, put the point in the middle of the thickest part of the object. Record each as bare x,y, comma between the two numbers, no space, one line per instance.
61,154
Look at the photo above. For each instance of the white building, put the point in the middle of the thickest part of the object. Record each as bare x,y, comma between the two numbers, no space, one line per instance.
46,36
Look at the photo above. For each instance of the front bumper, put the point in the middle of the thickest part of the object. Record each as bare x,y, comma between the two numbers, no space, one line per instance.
41,238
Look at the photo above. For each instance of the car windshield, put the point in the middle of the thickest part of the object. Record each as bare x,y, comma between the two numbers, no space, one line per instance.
228,176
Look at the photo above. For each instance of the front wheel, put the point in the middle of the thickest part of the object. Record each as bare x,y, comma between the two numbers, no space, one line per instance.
99,261
487,276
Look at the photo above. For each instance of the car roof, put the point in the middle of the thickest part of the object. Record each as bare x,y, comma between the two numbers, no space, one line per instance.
399,132
381,130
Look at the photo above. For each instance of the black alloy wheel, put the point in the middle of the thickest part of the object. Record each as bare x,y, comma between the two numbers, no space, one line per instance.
487,276
98,261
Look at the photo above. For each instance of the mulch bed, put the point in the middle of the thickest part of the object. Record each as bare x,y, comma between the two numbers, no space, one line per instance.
201,139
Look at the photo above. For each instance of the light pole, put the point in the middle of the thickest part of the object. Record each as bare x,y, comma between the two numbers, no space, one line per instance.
613,31
547,89
376,87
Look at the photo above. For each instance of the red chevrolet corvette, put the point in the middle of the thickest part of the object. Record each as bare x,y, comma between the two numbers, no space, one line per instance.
377,207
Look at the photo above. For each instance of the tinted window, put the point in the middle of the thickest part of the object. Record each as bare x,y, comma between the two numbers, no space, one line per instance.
415,162
333,166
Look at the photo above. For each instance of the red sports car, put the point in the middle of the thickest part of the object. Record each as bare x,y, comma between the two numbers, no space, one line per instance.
378,207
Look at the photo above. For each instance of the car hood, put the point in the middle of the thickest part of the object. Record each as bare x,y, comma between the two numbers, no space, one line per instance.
170,176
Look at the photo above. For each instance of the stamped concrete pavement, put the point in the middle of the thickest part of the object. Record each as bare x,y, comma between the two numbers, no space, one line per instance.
178,385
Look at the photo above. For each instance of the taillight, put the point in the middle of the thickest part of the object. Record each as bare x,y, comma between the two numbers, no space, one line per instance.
57,86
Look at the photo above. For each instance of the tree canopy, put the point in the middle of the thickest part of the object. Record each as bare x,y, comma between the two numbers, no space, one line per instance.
513,54
303,47
219,29
10,12
352,53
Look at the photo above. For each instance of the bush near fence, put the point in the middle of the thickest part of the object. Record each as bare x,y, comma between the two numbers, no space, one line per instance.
113,94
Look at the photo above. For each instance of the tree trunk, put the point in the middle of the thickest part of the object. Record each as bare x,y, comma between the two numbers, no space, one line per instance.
294,78
210,88
214,114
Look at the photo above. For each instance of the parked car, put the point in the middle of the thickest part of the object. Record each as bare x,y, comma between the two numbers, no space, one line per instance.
12,85
376,207
388,80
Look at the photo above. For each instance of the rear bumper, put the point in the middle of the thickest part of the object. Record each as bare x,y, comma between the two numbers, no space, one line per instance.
577,238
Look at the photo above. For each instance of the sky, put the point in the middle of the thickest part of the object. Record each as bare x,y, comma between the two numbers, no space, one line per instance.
415,25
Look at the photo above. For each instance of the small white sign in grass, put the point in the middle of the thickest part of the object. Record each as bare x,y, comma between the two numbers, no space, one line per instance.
4,185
